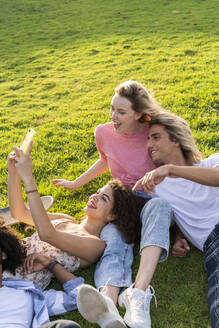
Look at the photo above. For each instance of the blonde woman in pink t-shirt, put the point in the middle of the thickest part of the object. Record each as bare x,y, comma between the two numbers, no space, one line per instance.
122,145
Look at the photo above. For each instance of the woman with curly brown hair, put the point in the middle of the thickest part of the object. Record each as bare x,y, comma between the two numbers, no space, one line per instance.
73,245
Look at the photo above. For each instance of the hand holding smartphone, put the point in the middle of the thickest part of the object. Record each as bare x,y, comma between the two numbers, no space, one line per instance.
27,140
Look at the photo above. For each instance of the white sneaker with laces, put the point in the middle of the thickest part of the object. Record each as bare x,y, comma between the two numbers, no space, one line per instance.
137,304
98,308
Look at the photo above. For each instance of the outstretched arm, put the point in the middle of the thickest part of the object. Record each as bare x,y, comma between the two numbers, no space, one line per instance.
208,176
99,167
204,175
17,206
86,247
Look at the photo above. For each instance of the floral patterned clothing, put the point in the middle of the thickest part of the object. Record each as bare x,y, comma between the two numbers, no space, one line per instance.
35,245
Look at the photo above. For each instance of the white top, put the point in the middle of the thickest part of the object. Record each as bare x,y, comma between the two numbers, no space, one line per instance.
196,206
16,308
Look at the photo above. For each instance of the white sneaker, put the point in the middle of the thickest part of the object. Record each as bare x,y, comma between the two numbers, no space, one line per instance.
137,304
98,308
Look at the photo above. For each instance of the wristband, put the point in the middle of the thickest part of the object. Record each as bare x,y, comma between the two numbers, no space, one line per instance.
51,265
30,191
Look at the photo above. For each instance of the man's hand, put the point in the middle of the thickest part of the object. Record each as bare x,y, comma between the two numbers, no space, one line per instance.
36,262
180,247
152,178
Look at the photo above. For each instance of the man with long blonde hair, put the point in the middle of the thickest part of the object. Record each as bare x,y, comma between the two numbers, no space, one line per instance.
191,186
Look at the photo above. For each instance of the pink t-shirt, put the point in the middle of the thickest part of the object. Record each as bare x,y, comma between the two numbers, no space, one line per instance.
126,155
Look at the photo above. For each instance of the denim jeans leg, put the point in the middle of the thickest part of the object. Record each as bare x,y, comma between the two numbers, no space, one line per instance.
211,262
156,218
114,267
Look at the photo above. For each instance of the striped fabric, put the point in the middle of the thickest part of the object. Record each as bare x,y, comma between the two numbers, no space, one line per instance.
211,261
49,302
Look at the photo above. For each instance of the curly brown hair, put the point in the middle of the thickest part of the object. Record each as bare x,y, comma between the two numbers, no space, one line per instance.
14,249
126,209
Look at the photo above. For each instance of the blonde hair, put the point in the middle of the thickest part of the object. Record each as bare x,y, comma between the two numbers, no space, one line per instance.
179,131
142,101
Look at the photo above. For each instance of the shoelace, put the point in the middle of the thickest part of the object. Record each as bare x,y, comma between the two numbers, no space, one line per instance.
144,300
153,294
103,291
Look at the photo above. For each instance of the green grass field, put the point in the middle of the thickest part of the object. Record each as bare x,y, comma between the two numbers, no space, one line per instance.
60,62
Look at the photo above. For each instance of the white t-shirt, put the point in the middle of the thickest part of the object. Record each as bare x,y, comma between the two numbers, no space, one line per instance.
16,308
196,206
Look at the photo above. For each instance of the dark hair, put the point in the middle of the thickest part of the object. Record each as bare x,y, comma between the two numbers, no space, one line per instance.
126,208
14,249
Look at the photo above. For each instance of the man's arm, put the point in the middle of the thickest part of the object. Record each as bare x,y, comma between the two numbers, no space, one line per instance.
204,175
208,176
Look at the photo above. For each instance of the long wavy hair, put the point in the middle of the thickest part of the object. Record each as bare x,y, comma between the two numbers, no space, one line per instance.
142,101
14,249
179,131
126,209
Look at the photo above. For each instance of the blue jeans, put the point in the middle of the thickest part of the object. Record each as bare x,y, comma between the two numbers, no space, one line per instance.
211,262
114,267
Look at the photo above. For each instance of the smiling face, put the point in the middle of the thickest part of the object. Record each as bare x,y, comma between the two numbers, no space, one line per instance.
100,204
161,148
124,118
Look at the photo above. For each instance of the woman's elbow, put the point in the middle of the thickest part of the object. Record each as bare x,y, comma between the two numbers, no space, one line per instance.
46,236
17,214
95,257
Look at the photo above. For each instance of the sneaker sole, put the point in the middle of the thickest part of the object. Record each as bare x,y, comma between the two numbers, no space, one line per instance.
93,307
99,307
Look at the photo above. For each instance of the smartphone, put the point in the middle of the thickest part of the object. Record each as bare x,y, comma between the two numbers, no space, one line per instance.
27,140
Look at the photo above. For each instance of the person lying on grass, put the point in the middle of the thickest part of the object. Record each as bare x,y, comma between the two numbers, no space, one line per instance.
73,245
23,303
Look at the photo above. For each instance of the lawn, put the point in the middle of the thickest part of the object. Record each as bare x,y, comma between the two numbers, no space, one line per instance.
60,62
